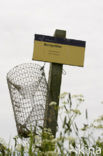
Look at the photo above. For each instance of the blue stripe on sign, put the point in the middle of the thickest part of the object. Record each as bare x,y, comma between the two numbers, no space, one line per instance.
60,40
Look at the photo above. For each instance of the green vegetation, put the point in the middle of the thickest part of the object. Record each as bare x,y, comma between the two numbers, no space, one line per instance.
71,140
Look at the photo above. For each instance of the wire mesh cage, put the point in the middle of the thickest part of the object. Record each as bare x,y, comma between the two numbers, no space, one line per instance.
28,90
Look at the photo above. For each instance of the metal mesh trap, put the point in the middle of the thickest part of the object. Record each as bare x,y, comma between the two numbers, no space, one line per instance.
28,90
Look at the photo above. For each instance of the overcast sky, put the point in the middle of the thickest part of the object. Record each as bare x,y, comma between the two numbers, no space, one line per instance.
82,20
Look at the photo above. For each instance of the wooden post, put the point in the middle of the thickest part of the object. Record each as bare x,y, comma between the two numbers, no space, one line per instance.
54,84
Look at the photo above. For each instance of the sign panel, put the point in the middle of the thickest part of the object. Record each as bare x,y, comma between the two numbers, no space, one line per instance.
58,50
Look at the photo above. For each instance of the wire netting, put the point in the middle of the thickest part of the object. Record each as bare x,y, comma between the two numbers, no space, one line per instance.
28,90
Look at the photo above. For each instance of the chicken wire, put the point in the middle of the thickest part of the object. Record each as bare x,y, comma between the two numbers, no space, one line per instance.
28,90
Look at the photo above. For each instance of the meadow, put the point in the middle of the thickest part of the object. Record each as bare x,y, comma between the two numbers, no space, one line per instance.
71,139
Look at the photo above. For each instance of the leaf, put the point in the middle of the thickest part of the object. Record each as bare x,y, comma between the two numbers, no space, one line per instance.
76,126
86,114
84,141
65,119
66,108
70,100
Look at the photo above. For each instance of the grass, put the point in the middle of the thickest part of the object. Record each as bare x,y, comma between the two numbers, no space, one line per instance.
71,140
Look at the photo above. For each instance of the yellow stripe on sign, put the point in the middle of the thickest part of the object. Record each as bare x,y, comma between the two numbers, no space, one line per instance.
58,53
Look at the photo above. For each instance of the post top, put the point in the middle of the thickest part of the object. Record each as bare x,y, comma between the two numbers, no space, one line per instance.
60,33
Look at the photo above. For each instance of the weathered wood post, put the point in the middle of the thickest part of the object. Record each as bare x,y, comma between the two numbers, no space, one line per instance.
54,84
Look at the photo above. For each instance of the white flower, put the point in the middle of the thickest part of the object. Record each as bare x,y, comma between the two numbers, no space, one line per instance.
62,96
71,139
52,103
2,141
76,111
18,147
51,153
76,96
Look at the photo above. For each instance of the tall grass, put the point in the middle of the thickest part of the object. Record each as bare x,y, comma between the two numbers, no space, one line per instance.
71,141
